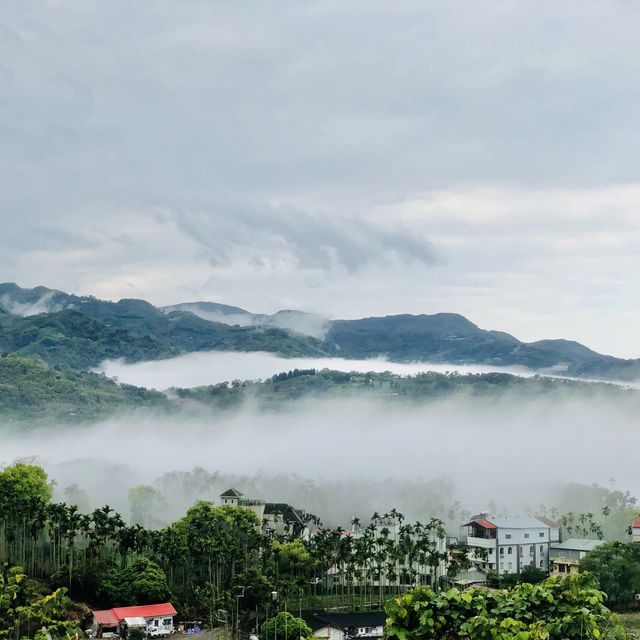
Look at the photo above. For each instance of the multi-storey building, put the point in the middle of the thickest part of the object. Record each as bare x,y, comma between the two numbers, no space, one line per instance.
509,544
278,517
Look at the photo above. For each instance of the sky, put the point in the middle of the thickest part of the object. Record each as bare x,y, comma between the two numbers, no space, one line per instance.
348,158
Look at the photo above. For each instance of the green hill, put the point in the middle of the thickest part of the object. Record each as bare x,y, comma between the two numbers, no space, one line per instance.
84,331
71,340
297,384
136,330
32,391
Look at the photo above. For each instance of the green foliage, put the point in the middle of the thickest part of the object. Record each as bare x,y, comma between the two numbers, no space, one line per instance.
617,567
141,582
71,340
556,609
293,564
24,614
21,485
292,385
284,626
31,391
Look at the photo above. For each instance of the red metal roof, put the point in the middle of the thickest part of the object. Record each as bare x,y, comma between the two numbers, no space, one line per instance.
635,524
486,524
146,611
106,618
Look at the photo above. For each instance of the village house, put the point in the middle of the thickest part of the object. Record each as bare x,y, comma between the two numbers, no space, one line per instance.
564,557
508,544
278,517
635,531
346,626
154,619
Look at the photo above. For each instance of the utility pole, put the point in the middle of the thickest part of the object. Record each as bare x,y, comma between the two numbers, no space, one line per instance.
239,594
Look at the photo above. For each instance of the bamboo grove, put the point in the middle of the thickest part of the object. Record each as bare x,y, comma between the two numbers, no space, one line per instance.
212,560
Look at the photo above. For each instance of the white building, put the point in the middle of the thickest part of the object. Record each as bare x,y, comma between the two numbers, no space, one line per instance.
278,517
635,531
510,543
153,619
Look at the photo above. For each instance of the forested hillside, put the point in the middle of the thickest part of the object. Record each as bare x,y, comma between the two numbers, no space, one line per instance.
79,332
31,391
298,384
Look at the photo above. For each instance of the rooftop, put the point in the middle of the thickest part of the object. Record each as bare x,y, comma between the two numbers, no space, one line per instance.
577,544
517,522
231,493
344,620
548,521
146,611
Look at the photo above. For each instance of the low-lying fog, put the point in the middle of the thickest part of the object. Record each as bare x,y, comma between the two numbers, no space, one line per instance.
212,367
352,456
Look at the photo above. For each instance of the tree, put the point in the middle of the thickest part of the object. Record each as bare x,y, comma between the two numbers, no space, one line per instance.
617,567
532,574
570,608
145,502
22,483
142,582
285,626
24,614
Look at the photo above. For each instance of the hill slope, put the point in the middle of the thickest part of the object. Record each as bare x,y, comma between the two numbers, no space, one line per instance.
31,391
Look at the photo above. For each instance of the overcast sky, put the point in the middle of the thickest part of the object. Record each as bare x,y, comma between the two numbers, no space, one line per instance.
351,158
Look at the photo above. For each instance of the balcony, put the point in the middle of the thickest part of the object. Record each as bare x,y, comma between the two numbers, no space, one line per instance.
485,543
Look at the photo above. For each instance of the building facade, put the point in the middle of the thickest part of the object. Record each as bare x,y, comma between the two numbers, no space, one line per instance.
565,557
508,544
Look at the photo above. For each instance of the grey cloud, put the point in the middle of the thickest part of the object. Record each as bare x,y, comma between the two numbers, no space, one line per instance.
313,240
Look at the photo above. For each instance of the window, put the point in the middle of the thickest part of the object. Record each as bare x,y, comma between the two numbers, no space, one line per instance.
532,550
167,621
542,534
507,536
521,551
541,549
509,550
541,564
526,535
502,552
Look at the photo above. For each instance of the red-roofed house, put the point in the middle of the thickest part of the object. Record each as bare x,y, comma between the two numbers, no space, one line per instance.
157,619
635,530
508,545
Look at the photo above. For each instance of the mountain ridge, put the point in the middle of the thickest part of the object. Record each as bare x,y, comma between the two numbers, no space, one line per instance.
135,330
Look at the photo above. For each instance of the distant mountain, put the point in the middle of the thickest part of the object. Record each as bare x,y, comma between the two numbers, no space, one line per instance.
136,330
74,341
297,321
